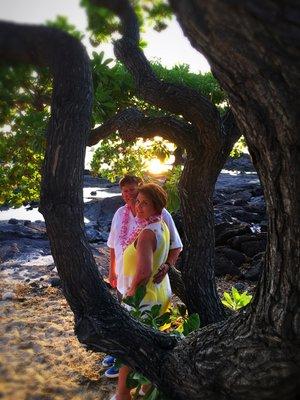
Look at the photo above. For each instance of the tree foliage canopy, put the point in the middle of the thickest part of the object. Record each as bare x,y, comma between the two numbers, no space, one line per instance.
25,109
103,23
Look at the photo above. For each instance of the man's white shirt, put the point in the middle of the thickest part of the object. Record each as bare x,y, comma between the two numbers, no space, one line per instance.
115,243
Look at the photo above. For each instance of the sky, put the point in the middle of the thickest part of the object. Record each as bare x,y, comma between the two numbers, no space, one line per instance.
169,46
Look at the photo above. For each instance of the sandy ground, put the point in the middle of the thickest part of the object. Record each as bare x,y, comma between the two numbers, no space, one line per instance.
40,357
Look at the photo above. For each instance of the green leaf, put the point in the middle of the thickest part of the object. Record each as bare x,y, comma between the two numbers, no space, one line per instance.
226,304
152,394
245,299
107,61
135,313
192,323
155,310
228,298
131,382
163,319
139,295
237,300
182,309
141,378
129,301
135,301
235,294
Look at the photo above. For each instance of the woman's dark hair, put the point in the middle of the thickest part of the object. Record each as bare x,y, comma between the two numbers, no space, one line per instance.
130,180
156,194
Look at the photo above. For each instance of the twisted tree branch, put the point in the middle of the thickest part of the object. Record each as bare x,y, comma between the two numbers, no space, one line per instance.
132,123
130,27
230,129
175,98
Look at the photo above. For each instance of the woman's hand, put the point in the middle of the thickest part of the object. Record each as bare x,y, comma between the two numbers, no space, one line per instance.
130,292
161,273
112,279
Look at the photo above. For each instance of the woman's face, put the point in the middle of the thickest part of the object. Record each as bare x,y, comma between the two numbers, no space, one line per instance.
144,207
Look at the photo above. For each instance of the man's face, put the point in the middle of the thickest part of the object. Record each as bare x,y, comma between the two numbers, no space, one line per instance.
129,193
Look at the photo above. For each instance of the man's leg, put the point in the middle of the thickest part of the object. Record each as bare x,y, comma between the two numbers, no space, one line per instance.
123,393
109,361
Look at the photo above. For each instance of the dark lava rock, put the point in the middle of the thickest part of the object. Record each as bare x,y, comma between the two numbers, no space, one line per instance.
102,211
13,221
224,265
225,231
94,235
34,204
235,256
245,216
9,231
258,191
240,286
93,181
239,202
219,198
254,271
263,226
23,249
243,243
55,282
222,216
253,247
242,163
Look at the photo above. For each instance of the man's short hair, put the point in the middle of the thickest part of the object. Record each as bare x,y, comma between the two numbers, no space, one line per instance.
130,180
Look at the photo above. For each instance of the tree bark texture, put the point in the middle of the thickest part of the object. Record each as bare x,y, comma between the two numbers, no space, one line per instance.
132,123
256,60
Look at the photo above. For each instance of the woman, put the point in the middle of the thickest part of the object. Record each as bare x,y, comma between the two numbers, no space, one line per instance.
145,250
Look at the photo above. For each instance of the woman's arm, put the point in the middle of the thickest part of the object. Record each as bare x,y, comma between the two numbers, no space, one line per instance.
164,268
112,276
146,245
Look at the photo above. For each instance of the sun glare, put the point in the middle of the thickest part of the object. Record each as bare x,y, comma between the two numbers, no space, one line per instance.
157,167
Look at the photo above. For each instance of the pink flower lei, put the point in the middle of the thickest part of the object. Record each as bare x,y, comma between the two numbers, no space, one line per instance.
125,240
124,226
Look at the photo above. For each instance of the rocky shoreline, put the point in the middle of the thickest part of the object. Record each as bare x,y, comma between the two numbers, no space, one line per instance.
240,230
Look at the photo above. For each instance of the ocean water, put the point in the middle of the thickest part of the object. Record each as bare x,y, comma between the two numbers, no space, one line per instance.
33,214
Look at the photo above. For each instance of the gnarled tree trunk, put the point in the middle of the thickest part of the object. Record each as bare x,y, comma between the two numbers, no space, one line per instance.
256,61
253,355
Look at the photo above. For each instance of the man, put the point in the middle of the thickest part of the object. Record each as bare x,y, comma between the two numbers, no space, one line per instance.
123,224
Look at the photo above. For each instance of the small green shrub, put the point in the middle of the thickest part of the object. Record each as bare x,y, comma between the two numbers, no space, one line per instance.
236,300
